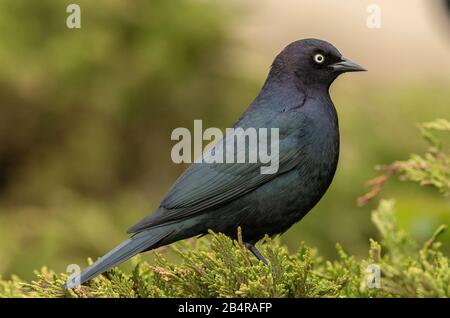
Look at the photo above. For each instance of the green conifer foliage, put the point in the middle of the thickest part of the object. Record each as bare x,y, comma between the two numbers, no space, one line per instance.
220,267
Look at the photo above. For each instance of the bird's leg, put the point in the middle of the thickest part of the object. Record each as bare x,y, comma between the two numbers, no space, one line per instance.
255,252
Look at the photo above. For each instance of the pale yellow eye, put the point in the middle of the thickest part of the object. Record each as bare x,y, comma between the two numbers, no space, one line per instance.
319,58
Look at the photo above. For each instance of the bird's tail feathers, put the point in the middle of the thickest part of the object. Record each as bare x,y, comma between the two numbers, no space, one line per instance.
136,244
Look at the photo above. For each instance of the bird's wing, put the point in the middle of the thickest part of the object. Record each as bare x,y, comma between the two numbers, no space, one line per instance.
205,185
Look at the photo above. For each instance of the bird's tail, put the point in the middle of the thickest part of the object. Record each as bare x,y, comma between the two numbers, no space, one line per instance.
138,243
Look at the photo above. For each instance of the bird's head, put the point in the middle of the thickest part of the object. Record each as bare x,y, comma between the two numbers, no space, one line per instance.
312,62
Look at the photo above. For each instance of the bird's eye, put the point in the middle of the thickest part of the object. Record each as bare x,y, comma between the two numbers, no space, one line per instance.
319,58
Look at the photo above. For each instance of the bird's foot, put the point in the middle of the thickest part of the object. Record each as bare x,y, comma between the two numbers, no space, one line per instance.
257,254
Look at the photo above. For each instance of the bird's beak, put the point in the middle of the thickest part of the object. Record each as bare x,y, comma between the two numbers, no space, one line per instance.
346,65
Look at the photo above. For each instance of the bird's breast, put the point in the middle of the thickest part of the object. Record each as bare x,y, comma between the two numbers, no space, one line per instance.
322,133
320,150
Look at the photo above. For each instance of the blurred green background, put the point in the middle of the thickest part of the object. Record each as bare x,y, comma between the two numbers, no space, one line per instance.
86,114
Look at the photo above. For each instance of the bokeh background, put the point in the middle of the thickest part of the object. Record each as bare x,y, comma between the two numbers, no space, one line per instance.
86,114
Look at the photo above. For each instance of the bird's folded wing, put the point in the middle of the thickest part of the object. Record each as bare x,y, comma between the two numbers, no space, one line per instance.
205,185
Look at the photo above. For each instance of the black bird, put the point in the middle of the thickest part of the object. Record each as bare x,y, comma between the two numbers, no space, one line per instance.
224,196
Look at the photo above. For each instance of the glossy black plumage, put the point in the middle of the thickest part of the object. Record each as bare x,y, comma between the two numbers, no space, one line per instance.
223,196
